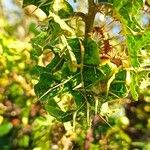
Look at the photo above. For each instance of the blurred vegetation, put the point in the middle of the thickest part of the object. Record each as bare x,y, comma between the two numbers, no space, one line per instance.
121,123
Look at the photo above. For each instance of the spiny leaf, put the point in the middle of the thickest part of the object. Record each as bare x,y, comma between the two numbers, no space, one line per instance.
135,44
127,11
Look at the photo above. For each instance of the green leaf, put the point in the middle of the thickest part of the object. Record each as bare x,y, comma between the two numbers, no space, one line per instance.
133,49
33,28
63,8
117,4
38,43
92,75
53,103
45,82
135,44
55,32
75,45
59,114
5,128
118,89
24,141
121,75
37,70
91,56
62,23
72,62
65,70
55,64
79,99
106,70
127,11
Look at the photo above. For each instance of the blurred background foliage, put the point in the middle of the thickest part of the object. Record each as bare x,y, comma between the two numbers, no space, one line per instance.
24,124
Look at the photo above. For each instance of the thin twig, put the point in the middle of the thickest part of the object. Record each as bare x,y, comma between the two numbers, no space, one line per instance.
82,81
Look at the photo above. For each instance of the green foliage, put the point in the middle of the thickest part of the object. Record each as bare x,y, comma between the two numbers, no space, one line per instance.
77,80
91,56
39,43
76,66
5,128
118,86
135,43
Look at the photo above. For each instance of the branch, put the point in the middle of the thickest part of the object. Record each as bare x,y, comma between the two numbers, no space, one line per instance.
90,2
92,10
90,18
80,14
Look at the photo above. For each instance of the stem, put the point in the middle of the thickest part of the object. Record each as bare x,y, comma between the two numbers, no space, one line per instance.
96,105
82,82
88,113
90,18
74,120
